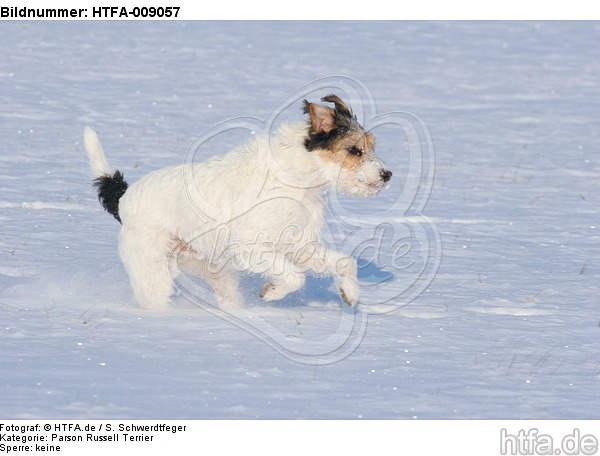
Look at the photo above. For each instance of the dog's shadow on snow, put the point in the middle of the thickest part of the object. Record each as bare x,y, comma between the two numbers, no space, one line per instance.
316,289
320,289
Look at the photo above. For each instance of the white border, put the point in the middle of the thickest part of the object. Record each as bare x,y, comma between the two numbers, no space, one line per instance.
345,10
307,438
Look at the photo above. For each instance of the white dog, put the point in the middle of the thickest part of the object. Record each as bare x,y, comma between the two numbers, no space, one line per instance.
258,209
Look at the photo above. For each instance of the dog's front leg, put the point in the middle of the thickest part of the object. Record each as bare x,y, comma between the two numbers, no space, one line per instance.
278,287
318,259
344,273
283,275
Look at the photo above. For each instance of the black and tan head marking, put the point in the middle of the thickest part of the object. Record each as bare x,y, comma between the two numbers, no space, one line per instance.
337,136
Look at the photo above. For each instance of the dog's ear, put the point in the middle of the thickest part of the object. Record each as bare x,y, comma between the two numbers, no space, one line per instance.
322,118
341,110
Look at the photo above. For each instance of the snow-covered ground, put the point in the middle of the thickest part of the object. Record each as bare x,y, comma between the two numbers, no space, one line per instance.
509,328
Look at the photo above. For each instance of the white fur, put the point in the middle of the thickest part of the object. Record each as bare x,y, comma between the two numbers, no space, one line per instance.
95,153
257,209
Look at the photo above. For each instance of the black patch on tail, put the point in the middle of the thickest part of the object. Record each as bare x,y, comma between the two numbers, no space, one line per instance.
110,191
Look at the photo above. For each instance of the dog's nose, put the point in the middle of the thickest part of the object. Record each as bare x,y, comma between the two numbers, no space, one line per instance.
385,174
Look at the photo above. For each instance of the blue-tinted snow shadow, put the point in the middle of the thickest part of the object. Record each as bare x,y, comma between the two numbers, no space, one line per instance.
371,273
315,289
320,289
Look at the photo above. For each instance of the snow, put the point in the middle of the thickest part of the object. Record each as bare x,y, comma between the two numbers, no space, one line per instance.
508,328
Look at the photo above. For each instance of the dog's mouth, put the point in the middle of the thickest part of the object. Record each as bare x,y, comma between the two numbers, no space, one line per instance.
368,189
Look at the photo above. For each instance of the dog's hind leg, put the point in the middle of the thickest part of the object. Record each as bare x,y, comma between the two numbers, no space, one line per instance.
224,282
225,287
145,252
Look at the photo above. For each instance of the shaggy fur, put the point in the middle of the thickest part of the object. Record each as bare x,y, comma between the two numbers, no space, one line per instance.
110,191
258,209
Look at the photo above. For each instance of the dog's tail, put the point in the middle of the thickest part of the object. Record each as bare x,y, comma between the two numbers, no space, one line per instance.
110,183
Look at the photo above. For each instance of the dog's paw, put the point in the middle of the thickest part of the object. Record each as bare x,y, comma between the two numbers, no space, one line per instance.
272,292
347,281
280,289
265,289
228,304
349,291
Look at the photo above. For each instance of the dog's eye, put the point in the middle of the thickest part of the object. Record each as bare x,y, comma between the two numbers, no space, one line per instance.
354,150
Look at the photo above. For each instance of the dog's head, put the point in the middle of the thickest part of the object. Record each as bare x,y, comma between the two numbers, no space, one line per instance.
345,148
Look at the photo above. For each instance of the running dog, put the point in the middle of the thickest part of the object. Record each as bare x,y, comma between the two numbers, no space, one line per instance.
257,209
